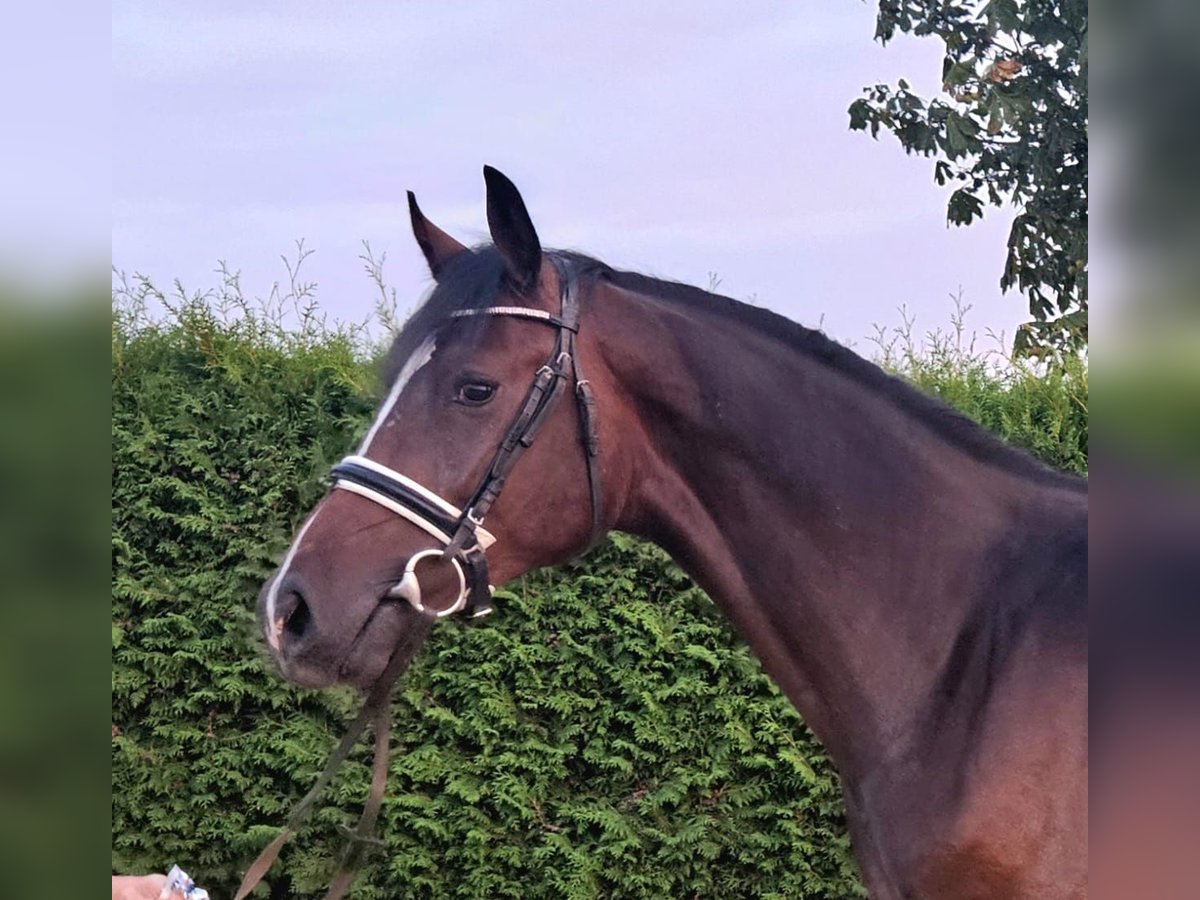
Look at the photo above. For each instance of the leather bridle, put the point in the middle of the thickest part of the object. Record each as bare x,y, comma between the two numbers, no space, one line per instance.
464,541
461,533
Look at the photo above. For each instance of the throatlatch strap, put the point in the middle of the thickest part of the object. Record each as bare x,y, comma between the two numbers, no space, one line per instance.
585,402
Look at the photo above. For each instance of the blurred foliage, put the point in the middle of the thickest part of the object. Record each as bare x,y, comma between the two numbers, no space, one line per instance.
52,530
605,733
1150,401
1149,72
1012,127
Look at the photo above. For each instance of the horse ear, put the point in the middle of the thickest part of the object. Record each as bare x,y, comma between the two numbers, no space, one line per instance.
512,229
439,248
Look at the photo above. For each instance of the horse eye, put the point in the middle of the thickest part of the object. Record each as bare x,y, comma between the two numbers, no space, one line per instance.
475,393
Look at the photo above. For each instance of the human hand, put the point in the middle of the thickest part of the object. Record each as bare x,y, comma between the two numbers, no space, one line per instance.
140,887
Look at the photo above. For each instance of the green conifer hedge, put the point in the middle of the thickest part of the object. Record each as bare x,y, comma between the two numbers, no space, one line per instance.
605,734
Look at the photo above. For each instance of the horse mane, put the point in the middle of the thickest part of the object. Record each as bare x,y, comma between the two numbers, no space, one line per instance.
476,280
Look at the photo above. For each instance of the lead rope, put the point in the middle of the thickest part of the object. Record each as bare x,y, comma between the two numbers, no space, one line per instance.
363,836
376,708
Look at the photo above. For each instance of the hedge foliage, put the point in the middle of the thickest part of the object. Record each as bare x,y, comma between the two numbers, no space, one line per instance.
604,734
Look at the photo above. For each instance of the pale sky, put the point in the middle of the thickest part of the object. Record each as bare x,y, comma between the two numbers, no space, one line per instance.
673,139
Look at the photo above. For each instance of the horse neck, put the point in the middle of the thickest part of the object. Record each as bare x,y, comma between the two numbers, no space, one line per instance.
842,537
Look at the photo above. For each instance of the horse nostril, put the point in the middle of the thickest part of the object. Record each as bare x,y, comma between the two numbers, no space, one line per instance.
292,615
300,618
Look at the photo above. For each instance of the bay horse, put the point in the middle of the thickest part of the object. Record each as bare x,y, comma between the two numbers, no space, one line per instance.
916,587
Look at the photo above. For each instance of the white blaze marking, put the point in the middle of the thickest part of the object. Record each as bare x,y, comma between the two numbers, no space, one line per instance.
273,593
420,356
